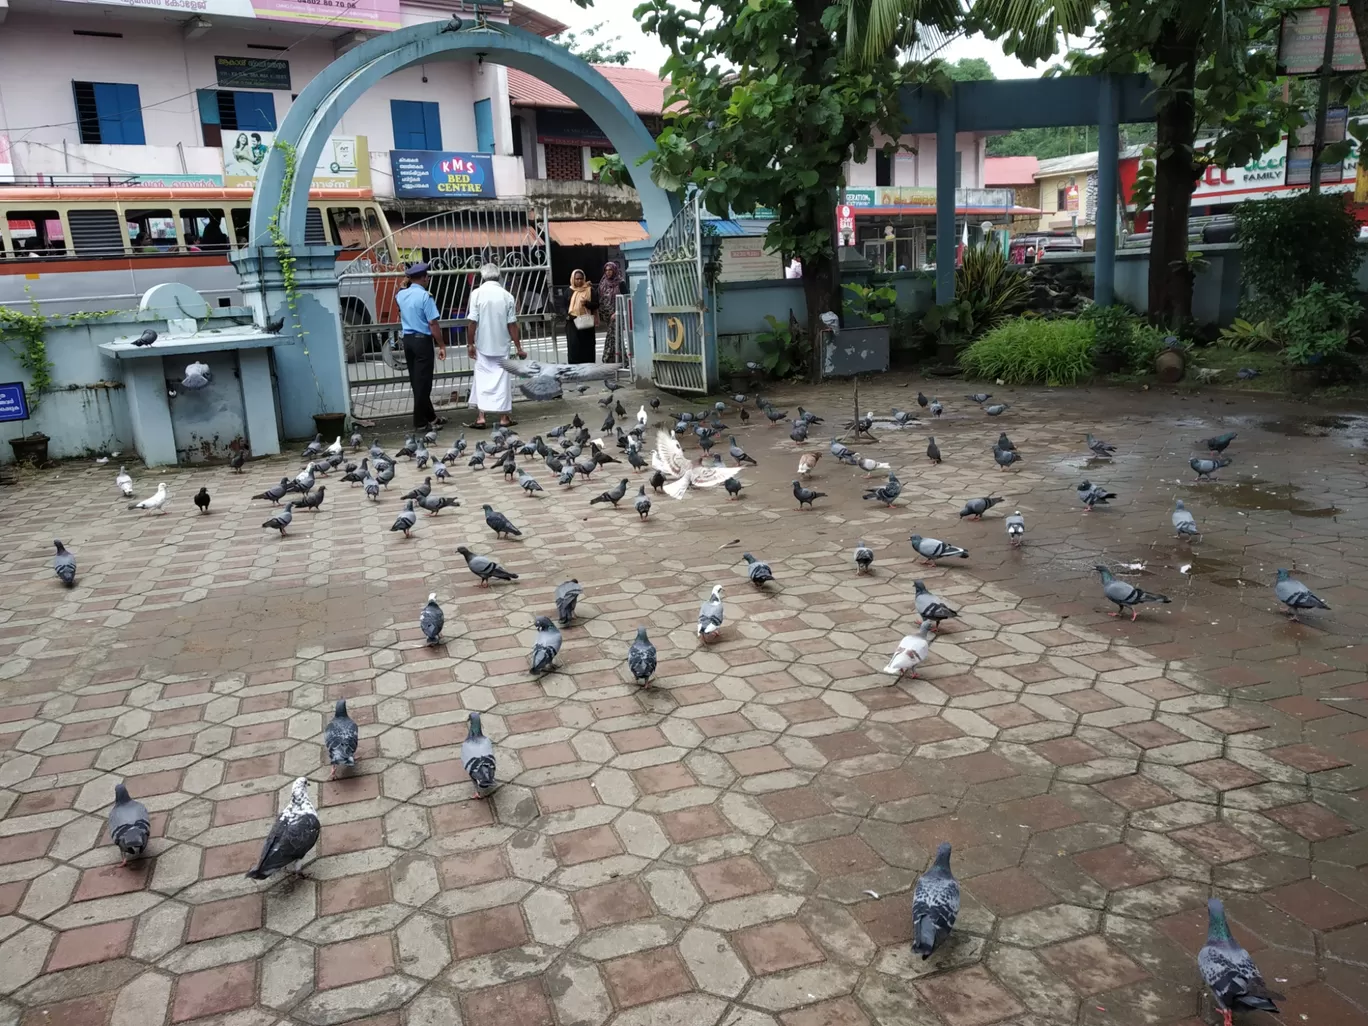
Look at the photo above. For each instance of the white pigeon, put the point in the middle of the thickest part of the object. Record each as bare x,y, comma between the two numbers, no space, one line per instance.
912,651
710,615
336,448
668,458
869,466
157,502
641,417
124,483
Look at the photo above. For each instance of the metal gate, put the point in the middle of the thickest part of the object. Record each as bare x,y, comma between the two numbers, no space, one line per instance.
454,244
675,289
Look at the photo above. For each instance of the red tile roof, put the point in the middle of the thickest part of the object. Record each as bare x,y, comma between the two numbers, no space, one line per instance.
1004,172
644,90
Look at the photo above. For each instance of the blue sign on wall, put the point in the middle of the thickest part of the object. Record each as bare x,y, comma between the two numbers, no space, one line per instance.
442,174
13,401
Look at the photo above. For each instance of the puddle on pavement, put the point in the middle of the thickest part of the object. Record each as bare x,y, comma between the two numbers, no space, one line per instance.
1314,427
1252,493
1216,571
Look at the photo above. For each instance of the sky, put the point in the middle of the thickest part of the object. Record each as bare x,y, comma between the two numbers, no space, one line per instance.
648,53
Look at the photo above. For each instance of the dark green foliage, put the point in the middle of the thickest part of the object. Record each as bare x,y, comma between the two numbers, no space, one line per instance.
1287,245
1031,350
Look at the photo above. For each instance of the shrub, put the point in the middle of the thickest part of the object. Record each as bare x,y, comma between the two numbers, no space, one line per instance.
1031,350
1317,326
993,288
1288,245
1130,340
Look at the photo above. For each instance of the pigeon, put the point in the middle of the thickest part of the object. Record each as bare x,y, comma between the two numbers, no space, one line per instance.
293,836
1100,447
567,476
434,504
431,621
371,487
739,454
406,520
710,616
936,408
807,463
407,449
975,508
430,437
1016,529
869,466
1005,458
1183,521
912,650
614,495
1295,595
745,417
359,474
274,327
611,385
1230,973
888,492
643,416
935,905
485,569
933,452
864,558
440,472
921,400
281,520
528,483
932,549
840,450
375,451
805,496
146,338
902,418
668,459
1124,594
477,756
567,595
384,475
1205,468
64,564
759,572
302,481
997,409
864,424
336,448
339,738
313,448
356,441
498,523
1220,443
546,646
1004,443
799,432
157,501
733,487
422,491
642,503
1246,374
979,397
930,607
201,499
124,483
810,418
129,826
775,416
1093,495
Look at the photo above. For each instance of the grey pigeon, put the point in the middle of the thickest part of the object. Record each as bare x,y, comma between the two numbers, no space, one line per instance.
758,570
359,474
979,397
129,826
1005,458
238,458
840,450
935,904
936,408
440,472
1016,529
477,756
643,503
733,487
546,646
313,448
929,607
1005,443
407,449
371,486
340,737
975,508
901,418
932,549
356,441
805,496
146,338
1093,495
799,432
1295,595
810,418
641,658
933,452
484,568
635,458
385,474
64,564
406,520
528,483
775,416
1124,594
293,835
614,495
1229,971
997,409
422,491
567,596
1205,467
1100,447
868,465
276,492
710,616
431,620
864,558
567,476
739,454
888,492
498,523
281,520
1220,443
1183,521
312,501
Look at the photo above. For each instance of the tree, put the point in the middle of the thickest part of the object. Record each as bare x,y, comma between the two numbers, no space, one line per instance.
765,110
970,69
1032,30
595,51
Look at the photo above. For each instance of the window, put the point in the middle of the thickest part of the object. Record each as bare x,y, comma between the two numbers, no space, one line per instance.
108,113
417,125
883,168
36,233
484,126
242,220
227,110
347,227
205,229
517,135
314,232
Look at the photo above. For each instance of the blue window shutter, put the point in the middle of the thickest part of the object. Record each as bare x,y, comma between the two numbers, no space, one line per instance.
208,106
130,113
255,111
484,126
408,125
432,126
107,110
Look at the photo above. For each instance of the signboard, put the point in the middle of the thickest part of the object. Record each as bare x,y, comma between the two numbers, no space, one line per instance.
1303,145
373,15
174,181
569,128
345,163
252,73
13,402
860,198
442,174
1071,197
745,258
845,225
1301,42
905,196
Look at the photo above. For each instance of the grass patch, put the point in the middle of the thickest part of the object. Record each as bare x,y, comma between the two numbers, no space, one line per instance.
1031,350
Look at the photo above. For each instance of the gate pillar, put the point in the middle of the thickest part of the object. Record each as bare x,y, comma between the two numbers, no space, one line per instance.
311,369
638,258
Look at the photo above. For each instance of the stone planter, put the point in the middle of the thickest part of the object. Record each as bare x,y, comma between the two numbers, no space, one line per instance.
31,449
1170,366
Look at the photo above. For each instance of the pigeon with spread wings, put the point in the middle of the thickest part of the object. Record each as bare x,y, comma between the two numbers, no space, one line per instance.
544,380
668,458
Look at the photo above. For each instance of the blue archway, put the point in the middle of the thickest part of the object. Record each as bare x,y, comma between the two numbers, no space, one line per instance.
316,112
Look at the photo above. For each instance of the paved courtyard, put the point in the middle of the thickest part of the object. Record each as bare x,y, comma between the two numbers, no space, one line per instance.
737,845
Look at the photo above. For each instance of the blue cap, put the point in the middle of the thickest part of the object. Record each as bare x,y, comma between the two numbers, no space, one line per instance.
414,270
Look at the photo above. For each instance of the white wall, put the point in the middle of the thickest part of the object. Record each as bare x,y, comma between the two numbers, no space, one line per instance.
919,167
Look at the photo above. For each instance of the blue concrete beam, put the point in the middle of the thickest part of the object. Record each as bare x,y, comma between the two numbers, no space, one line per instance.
1028,103
1108,151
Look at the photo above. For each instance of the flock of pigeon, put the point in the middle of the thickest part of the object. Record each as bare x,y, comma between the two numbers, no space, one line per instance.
1226,967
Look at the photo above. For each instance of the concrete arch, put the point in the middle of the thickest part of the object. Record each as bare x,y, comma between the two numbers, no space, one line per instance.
314,116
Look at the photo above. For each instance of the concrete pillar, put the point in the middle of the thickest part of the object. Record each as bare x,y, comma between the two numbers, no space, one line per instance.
258,401
149,412
637,256
1108,152
310,368
945,198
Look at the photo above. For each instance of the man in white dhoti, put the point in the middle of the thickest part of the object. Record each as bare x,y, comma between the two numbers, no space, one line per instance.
494,315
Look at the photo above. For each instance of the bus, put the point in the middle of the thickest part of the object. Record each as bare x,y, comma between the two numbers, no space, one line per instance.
76,248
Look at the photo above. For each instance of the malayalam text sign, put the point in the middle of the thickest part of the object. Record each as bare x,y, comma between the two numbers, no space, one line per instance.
442,174
13,401
252,73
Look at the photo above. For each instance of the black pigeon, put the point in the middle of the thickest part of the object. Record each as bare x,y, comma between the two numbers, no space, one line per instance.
292,837
975,508
202,500
238,458
732,485
614,496
935,905
799,432
339,738
612,386
498,523
636,460
933,452
654,403
274,327
567,597
64,565
922,400
431,620
658,481
484,568
1220,442
281,520
805,496
129,826
759,571
618,409
1004,443
276,492
146,338
312,501
641,658
745,417
608,423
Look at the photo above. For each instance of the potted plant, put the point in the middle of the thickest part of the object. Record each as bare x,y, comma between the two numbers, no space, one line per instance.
1112,329
733,373
951,323
330,425
31,449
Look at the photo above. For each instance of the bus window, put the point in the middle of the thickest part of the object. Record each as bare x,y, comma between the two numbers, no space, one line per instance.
205,229
151,231
347,226
96,233
36,233
314,232
242,225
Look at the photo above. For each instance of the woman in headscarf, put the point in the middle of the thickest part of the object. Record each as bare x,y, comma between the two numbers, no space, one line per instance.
580,322
610,285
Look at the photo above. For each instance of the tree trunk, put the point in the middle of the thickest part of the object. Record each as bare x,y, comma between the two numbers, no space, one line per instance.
1175,177
820,282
